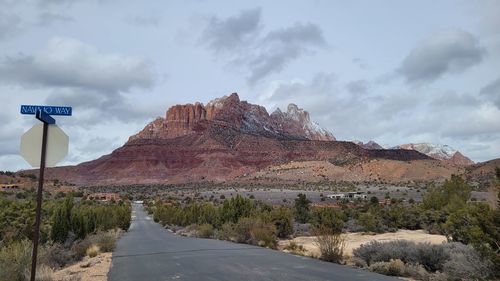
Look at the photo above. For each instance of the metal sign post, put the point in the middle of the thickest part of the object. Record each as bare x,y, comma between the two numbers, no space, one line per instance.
41,113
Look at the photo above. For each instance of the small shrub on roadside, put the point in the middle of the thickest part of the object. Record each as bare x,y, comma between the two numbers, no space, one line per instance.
331,246
295,248
59,256
43,273
396,267
226,232
391,268
93,251
105,240
204,230
80,248
256,232
15,258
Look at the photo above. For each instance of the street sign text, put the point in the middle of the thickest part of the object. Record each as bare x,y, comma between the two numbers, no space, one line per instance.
51,110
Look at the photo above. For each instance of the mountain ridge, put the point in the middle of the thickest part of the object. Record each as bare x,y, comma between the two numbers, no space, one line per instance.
228,138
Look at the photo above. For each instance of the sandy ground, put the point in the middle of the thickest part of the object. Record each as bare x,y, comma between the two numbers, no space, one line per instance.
90,269
355,240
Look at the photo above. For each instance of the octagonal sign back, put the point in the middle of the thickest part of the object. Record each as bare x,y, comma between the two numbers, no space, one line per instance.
57,145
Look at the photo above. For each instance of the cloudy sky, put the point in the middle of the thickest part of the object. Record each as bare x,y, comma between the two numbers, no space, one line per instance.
390,71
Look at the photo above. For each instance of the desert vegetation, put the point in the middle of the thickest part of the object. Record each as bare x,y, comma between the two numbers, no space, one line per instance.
70,230
472,229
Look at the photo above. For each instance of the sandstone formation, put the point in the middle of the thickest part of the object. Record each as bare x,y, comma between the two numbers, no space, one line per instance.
181,120
229,140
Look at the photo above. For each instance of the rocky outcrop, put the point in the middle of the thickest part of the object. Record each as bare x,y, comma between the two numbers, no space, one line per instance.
181,120
296,121
439,152
460,160
369,145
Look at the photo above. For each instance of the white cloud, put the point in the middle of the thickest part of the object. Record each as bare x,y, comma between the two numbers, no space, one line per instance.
239,39
69,63
451,51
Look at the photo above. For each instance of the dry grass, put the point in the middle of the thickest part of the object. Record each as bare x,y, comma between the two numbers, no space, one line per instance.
93,251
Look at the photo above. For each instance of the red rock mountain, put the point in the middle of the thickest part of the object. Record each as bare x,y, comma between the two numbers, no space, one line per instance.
229,111
369,145
227,139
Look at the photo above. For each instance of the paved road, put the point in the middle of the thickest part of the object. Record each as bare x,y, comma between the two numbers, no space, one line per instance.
148,252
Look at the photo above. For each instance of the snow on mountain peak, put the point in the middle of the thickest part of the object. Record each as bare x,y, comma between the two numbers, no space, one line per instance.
439,151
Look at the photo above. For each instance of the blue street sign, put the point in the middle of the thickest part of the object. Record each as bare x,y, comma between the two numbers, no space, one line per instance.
51,110
44,117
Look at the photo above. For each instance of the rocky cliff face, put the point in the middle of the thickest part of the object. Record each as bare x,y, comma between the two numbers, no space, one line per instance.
439,152
229,111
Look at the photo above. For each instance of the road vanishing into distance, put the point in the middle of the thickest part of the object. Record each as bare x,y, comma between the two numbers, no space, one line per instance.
148,252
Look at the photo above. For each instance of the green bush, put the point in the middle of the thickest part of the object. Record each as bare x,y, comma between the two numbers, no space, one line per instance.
256,232
328,218
302,208
282,217
370,222
82,220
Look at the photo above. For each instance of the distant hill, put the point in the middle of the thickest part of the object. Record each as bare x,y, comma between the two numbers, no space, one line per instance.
440,152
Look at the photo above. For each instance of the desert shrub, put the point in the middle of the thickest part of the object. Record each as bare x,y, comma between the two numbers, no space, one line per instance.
396,267
327,218
93,251
15,258
392,267
370,222
226,232
83,219
204,230
331,245
301,208
295,248
282,217
264,235
79,248
256,232
406,251
455,259
358,262
466,263
235,208
106,241
432,257
43,273
58,256
242,229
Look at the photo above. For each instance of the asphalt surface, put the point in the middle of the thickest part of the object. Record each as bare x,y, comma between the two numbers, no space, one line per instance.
149,252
